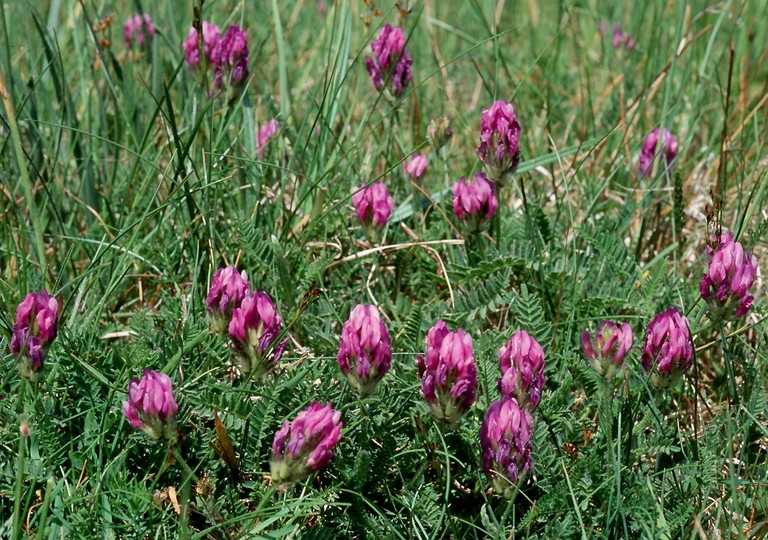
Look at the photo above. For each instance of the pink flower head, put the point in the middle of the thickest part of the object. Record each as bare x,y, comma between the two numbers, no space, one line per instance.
365,352
611,345
33,332
651,148
505,441
415,167
728,279
668,349
499,147
373,204
522,369
232,54
135,27
618,36
390,66
211,42
254,327
475,202
448,373
151,407
265,134
228,288
305,445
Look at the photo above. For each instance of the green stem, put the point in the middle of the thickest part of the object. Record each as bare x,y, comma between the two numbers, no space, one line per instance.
19,465
49,486
186,490
729,367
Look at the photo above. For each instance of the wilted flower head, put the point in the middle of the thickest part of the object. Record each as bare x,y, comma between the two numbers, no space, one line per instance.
305,445
253,328
33,332
611,345
415,167
390,66
266,132
448,373
499,147
505,441
365,352
373,205
651,148
151,407
134,30
228,288
439,132
475,202
668,349
522,369
232,54
728,279
211,42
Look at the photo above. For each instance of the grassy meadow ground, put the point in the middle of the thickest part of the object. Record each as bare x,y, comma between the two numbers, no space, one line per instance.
125,186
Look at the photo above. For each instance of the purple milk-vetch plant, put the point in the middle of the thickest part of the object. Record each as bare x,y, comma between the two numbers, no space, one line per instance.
521,361
305,445
730,274
606,352
415,167
151,406
138,28
499,147
254,327
232,55
390,65
211,43
228,289
668,349
365,351
35,329
448,373
474,203
373,206
652,147
505,442
264,135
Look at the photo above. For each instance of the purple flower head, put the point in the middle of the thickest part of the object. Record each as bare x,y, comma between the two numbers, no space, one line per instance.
668,349
253,328
390,66
415,167
228,288
505,442
728,279
365,352
611,345
134,30
522,369
232,55
33,332
474,203
499,147
305,445
439,132
448,373
265,134
211,42
151,407
373,205
651,148
618,36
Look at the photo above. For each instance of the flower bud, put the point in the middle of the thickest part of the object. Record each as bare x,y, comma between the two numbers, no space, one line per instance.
151,407
365,352
211,42
611,345
33,332
373,206
134,30
439,132
668,349
254,327
390,66
522,367
474,203
228,288
499,147
305,445
651,149
728,279
448,373
266,132
416,167
505,441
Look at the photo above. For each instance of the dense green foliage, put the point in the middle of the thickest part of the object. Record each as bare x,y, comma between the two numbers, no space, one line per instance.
129,186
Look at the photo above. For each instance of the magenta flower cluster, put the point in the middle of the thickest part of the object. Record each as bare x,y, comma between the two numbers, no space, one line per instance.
365,351
264,135
728,279
499,147
415,167
668,349
35,329
610,346
653,148
448,373
474,203
373,205
227,291
521,362
228,55
138,28
151,406
390,65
